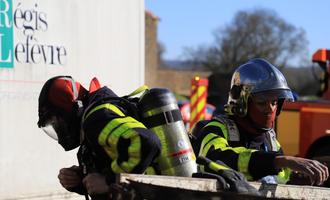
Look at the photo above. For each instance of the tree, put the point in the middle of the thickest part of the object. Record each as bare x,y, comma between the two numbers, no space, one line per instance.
257,33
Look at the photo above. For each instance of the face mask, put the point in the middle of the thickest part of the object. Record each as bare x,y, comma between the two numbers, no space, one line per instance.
263,113
66,134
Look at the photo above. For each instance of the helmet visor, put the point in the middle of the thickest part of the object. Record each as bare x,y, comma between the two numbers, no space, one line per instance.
60,128
55,127
274,94
50,131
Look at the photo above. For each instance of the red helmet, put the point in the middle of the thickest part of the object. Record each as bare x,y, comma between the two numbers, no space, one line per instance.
60,109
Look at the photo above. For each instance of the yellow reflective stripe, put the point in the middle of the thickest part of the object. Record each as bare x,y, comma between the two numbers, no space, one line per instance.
244,154
122,127
122,123
150,171
212,140
207,139
115,168
129,165
243,162
278,145
219,143
134,153
134,150
109,106
220,125
216,167
135,146
139,90
284,176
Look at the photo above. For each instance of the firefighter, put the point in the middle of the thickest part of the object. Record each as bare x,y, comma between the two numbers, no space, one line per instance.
244,137
110,138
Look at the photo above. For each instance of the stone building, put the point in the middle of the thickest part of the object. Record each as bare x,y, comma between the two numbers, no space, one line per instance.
156,76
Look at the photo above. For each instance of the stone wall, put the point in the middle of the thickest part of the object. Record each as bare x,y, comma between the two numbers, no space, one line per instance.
179,81
151,56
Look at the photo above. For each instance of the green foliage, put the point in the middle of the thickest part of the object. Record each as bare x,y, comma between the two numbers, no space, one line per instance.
304,80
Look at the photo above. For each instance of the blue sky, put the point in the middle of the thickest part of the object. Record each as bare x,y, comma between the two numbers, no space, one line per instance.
189,23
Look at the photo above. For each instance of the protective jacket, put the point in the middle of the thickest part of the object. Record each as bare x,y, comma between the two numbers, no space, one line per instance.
113,140
253,155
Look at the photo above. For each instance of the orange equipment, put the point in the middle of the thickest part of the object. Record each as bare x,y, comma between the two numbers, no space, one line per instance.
322,57
198,100
303,127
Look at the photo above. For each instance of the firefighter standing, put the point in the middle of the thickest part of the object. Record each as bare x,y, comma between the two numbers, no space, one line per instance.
110,138
244,138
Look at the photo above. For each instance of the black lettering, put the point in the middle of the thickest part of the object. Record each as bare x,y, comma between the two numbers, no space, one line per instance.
35,52
51,54
44,53
19,52
35,17
42,18
30,21
27,27
18,18
61,54
28,38
48,53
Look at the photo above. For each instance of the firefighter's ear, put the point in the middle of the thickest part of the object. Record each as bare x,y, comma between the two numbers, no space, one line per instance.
238,107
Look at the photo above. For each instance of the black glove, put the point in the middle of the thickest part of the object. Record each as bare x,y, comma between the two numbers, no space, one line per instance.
236,180
222,183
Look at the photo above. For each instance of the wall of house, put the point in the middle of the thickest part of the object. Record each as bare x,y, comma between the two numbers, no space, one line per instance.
179,81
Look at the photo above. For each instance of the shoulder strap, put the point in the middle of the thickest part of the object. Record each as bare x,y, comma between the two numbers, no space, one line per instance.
138,91
233,133
272,138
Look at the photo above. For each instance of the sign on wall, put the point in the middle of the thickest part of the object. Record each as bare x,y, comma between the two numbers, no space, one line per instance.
27,21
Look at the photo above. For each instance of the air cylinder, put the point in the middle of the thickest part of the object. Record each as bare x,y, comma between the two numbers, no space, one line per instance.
160,113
